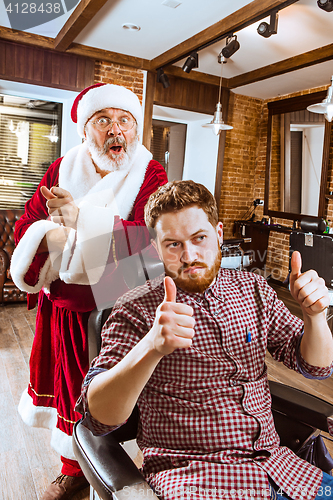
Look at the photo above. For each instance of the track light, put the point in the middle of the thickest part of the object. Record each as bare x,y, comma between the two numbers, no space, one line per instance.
265,29
191,62
325,5
231,47
162,78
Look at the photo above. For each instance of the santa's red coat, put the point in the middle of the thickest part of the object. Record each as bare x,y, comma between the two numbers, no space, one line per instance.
59,357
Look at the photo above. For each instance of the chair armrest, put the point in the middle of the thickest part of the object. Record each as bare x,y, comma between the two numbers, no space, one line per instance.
301,406
107,467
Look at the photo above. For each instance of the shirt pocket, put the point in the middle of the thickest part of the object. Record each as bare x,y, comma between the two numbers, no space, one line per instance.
250,354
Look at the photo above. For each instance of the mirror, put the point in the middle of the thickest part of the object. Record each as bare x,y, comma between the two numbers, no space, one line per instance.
297,158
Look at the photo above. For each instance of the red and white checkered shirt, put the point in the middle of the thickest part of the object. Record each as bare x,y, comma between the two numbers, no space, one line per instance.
206,426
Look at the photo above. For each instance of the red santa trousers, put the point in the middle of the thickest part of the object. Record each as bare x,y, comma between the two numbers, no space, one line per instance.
58,364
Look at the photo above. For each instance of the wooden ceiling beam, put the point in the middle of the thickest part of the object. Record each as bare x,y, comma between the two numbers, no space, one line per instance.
18,36
315,56
251,13
107,55
81,50
76,22
196,76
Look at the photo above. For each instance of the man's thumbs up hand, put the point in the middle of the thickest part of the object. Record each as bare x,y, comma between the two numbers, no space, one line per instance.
296,264
170,290
174,323
308,288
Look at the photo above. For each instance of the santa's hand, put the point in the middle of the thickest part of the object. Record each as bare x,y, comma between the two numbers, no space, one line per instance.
61,206
174,325
308,288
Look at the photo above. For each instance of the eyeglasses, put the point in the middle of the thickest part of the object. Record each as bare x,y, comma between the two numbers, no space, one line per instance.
104,123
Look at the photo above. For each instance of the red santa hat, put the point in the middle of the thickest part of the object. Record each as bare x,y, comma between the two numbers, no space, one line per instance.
102,96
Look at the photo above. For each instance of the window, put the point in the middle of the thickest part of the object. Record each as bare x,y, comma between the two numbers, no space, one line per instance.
30,132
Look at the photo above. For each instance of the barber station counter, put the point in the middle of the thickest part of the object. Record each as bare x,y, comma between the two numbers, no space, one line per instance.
259,235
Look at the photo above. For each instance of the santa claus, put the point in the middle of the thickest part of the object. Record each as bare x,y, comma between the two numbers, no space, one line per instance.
85,216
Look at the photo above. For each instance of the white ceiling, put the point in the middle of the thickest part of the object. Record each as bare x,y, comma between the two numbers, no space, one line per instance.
303,26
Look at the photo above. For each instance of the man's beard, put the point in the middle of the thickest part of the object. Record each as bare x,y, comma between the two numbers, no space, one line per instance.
111,162
197,283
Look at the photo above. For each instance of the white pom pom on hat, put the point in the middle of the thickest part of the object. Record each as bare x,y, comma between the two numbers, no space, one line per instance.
102,96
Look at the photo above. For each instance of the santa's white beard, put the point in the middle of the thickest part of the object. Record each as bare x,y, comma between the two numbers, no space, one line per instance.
113,162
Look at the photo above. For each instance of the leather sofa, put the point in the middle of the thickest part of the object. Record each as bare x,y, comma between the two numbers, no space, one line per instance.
8,291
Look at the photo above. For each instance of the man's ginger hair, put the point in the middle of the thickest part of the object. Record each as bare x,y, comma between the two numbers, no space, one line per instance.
176,195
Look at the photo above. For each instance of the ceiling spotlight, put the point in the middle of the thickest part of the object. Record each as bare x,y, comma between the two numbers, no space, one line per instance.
231,47
131,27
162,78
265,29
191,62
325,5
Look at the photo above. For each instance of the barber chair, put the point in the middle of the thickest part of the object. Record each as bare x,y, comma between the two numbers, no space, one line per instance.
112,474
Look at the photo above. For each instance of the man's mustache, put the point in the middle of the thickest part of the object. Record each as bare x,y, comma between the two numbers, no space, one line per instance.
118,141
193,264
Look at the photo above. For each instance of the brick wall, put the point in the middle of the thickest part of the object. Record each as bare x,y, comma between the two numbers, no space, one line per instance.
130,78
243,178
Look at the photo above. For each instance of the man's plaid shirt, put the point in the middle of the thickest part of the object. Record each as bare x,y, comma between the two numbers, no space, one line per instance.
206,426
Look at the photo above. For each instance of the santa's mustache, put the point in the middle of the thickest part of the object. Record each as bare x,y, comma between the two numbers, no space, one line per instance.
115,141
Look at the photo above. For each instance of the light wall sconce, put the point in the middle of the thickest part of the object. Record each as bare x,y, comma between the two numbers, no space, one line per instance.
326,106
191,62
231,47
163,78
266,30
325,5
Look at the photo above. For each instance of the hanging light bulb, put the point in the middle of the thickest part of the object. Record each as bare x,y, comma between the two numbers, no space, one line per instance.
326,106
11,126
53,136
54,133
217,124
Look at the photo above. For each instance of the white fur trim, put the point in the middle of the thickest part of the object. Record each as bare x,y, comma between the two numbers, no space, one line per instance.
99,200
36,416
112,195
108,96
77,173
62,443
68,250
43,417
24,254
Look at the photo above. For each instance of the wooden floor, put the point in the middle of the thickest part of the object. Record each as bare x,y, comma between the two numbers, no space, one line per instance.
27,462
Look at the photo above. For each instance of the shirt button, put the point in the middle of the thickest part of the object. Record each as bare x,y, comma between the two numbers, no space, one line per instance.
233,382
227,350
245,406
216,313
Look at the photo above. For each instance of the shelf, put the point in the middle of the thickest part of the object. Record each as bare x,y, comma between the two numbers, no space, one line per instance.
278,228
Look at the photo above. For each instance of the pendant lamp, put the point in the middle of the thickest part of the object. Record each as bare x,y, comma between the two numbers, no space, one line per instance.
217,124
326,106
